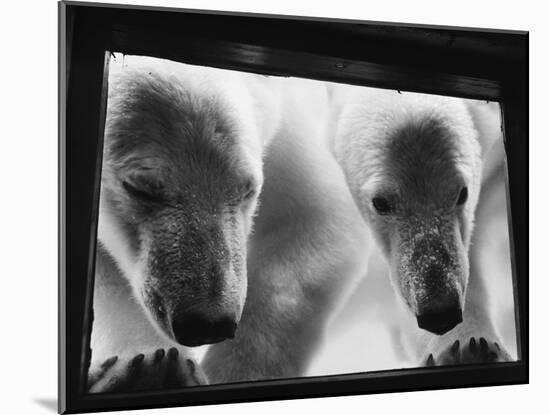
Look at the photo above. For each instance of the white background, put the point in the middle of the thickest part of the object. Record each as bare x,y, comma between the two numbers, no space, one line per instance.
28,227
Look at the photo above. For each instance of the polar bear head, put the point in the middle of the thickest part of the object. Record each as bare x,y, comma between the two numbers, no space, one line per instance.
413,165
180,179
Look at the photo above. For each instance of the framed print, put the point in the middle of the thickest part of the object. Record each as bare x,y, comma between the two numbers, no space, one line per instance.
260,207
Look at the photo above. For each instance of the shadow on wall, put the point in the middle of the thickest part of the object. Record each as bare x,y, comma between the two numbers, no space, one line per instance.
49,403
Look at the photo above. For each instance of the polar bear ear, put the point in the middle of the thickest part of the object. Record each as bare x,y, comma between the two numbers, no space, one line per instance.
338,95
487,122
487,118
265,104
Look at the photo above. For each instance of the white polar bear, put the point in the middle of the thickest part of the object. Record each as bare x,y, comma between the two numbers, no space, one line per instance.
413,163
189,151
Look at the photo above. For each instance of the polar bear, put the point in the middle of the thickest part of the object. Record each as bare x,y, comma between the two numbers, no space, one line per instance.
413,163
193,159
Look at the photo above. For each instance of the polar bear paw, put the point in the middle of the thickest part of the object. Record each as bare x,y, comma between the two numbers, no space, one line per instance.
158,370
470,352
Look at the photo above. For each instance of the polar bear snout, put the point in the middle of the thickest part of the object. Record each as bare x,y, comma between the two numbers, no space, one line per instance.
197,328
438,300
441,321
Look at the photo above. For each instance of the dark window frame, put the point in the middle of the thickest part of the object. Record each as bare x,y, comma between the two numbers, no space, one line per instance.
470,63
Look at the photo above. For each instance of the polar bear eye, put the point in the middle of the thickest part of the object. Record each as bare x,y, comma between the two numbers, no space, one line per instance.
249,195
248,191
145,191
243,193
381,205
463,196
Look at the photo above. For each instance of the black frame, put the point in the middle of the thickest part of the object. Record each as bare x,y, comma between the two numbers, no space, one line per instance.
464,62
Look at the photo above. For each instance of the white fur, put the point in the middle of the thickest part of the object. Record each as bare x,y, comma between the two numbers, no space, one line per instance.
363,120
308,244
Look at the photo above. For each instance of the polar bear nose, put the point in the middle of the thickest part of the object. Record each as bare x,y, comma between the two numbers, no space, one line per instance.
196,328
441,321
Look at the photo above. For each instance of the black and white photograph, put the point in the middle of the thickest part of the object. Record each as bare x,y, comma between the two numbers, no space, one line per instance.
255,227
242,207
261,207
